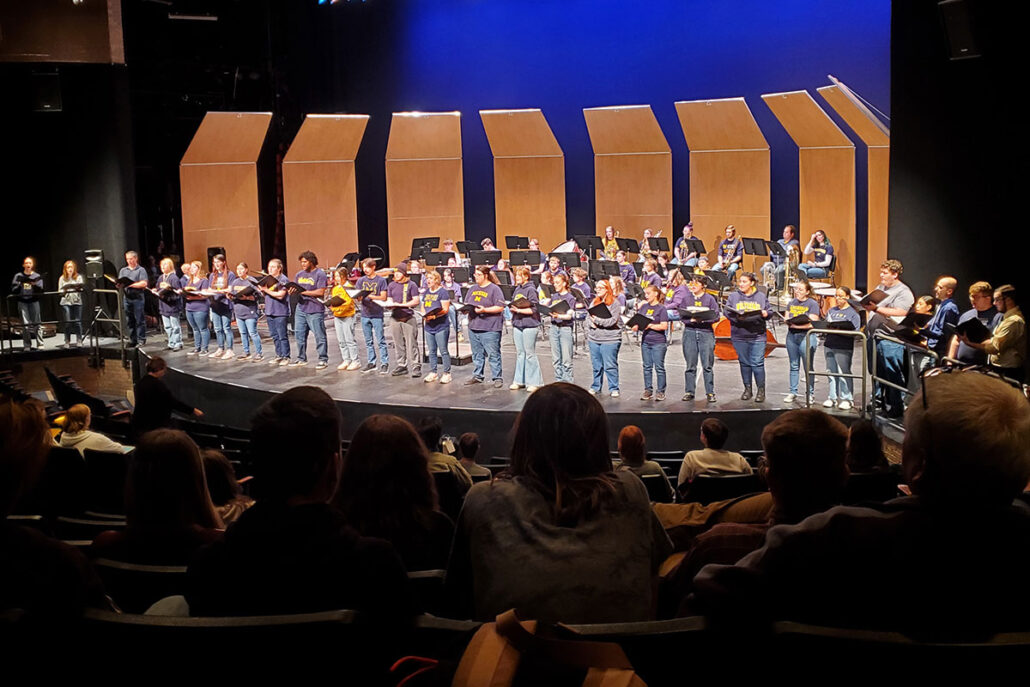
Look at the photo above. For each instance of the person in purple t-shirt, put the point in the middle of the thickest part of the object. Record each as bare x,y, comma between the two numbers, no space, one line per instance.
168,303
310,311
653,344
403,325
436,308
485,323
747,309
277,312
374,287
198,307
245,307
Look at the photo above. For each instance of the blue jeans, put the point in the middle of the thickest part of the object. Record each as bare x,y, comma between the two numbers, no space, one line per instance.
839,360
890,365
173,330
437,344
249,334
561,353
795,348
732,269
201,334
302,322
345,338
527,365
223,329
374,326
135,321
699,343
280,338
73,322
604,358
30,317
653,357
485,344
812,272
751,356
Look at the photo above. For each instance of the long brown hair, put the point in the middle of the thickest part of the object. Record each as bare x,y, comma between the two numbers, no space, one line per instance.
488,273
75,270
560,449
385,486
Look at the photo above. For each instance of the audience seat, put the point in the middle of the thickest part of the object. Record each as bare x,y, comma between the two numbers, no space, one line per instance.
708,488
449,494
658,489
68,528
428,585
60,489
134,588
105,480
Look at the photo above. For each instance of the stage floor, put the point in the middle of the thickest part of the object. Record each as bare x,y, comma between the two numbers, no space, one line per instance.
228,390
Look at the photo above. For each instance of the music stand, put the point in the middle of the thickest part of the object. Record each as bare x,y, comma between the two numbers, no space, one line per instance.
484,257
466,247
429,242
627,245
659,243
525,257
588,244
516,242
602,269
753,247
567,260
503,277
441,258
461,274
719,279
696,246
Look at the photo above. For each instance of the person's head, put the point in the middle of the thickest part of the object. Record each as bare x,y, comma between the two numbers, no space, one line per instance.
730,231
308,261
433,279
132,259
696,284
865,448
702,261
632,446
165,489
609,232
487,244
802,289
714,433
924,305
28,264
385,485
745,282
448,246
804,463
430,429
560,448
890,272
502,264
484,275
196,269
468,446
242,270
618,286
651,293
620,256
167,266
554,263
70,270
534,244
546,278
945,288
295,446
400,273
663,258
688,229
579,275
220,477
843,294
650,265
561,282
452,262
342,275
218,262
448,275
676,278
1005,298
77,418
368,266
24,443
981,295
647,232
604,291
157,366
789,232
970,444
820,238
523,275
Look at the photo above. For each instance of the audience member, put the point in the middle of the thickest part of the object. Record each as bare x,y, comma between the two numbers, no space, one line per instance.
865,449
712,459
559,535
633,455
78,435
431,430
226,494
947,562
292,552
154,401
168,511
468,449
386,491
49,581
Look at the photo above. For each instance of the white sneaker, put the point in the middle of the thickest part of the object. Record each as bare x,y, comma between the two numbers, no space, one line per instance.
445,378
354,365
275,361
229,355
593,392
515,387
789,398
217,354
844,405
829,403
283,362
531,388
343,365
615,394
431,377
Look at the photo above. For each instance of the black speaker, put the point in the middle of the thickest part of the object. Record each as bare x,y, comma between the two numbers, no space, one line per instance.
46,92
958,29
212,251
94,263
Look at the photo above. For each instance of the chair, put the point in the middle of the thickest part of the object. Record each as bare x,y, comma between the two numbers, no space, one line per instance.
134,587
658,489
708,488
83,529
428,586
831,270
105,480
61,488
449,493
68,393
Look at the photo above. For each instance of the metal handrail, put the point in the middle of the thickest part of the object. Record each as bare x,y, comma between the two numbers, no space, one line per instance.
810,362
909,346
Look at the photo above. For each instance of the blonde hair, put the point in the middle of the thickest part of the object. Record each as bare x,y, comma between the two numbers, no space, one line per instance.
169,262
77,418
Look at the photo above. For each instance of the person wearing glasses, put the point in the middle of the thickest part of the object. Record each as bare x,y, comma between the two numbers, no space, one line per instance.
1006,349
981,297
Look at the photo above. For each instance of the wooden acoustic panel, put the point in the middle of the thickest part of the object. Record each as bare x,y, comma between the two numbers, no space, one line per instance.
424,194
729,167
826,175
632,170
876,136
219,190
319,198
529,176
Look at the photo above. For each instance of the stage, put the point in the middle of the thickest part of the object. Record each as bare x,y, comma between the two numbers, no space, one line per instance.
228,391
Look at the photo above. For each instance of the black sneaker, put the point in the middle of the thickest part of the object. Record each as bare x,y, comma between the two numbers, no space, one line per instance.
474,380
687,397
384,369
416,374
369,367
711,398
746,396
399,372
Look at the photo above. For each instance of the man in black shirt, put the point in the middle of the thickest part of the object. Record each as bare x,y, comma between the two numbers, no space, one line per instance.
155,402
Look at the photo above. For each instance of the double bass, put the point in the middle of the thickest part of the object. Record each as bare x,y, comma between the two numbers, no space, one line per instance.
724,347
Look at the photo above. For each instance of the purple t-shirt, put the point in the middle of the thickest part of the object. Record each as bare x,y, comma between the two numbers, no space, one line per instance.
374,285
169,307
201,304
568,298
432,300
275,307
584,289
399,293
705,300
676,297
658,314
245,307
527,291
750,328
485,297
650,278
311,281
220,280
